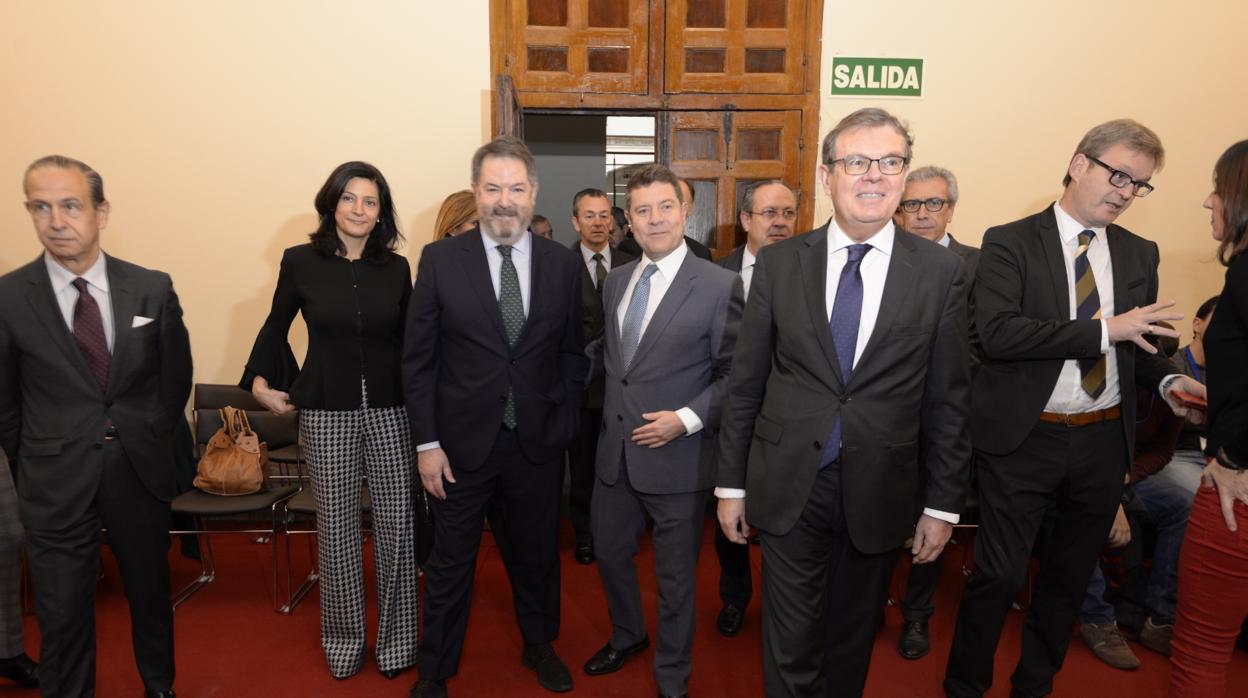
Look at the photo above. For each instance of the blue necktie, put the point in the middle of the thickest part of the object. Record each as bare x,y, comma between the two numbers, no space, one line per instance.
630,336
846,315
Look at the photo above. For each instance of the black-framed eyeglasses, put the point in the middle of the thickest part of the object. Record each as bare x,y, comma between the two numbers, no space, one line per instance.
1121,179
859,164
771,214
933,204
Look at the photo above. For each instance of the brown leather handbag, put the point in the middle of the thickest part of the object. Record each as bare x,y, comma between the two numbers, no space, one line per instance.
234,459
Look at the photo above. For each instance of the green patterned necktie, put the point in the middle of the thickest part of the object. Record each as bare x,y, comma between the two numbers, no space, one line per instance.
512,307
600,272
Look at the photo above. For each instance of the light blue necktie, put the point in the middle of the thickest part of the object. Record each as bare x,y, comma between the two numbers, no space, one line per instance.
630,337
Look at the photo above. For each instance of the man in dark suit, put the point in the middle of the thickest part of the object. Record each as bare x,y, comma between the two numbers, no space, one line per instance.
96,373
926,209
591,218
493,370
768,211
1062,301
15,664
629,244
671,325
852,358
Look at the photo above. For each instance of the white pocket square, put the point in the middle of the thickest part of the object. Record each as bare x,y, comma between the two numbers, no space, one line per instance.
140,321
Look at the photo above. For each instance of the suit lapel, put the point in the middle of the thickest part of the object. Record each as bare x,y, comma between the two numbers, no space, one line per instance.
677,292
1118,260
813,261
123,298
613,293
1051,242
537,296
44,306
477,269
897,284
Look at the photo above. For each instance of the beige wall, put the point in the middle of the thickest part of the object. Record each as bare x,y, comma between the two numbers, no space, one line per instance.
214,124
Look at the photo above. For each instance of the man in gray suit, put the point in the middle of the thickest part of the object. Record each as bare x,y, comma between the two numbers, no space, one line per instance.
671,327
15,665
926,210
95,369
852,358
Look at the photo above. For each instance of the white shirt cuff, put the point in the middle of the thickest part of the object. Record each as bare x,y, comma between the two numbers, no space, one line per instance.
729,493
1104,336
692,424
1161,387
429,446
942,515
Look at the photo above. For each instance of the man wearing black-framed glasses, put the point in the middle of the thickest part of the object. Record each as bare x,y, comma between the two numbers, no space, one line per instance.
1063,301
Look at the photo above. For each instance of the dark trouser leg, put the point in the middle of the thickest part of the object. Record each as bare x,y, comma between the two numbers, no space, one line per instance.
63,565
735,585
529,494
920,587
449,573
618,521
677,537
12,641
582,453
1087,500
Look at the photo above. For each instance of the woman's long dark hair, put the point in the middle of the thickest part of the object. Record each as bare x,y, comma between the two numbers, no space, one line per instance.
1230,182
385,236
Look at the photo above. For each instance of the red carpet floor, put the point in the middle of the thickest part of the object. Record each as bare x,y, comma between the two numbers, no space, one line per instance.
231,643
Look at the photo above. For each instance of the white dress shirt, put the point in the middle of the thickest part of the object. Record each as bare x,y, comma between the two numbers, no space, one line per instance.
747,269
67,296
522,260
588,255
944,240
1068,395
660,281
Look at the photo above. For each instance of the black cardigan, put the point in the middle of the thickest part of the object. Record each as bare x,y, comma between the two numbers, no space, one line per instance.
356,312
1226,362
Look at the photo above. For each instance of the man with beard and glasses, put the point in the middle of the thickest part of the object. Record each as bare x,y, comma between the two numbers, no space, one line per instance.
493,370
768,213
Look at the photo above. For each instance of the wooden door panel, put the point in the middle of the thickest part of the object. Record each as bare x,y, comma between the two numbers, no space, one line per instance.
599,46
736,46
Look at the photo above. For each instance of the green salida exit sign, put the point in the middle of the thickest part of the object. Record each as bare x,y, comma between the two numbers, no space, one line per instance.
877,77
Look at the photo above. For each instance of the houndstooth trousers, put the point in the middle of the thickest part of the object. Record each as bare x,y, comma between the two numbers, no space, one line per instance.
340,447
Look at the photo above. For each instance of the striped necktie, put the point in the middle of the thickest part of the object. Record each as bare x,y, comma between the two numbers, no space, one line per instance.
1088,307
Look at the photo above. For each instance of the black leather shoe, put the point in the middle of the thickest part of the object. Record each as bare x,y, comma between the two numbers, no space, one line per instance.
552,673
21,670
729,620
425,688
391,673
683,695
914,640
585,552
609,659
160,694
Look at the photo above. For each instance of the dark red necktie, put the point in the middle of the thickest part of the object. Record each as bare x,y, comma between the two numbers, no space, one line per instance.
89,334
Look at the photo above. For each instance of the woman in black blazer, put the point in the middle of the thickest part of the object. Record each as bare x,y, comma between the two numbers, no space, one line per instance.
1213,568
352,290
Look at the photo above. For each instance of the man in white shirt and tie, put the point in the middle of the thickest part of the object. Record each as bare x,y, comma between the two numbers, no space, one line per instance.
671,327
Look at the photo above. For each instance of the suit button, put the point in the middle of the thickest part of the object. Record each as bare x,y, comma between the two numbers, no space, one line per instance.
624,382
619,417
513,362
818,446
844,399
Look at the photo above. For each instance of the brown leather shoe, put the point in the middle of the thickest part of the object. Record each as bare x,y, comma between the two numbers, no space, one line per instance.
1108,644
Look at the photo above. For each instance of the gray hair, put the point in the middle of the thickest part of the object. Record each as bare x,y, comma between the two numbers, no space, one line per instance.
747,199
927,172
504,147
869,117
1128,132
94,180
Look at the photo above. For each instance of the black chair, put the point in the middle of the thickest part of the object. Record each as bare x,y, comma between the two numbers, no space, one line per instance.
242,512
300,519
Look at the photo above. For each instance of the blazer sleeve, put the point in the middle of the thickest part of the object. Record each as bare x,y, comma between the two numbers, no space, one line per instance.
175,360
1004,332
271,356
10,397
725,322
420,352
747,382
945,415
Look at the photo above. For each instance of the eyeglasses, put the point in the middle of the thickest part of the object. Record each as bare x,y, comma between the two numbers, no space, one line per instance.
1121,179
859,164
933,204
771,214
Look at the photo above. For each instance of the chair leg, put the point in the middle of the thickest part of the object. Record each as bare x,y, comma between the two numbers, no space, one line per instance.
207,568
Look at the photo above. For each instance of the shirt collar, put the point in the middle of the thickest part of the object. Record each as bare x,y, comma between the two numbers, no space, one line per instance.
881,241
1069,228
62,278
670,264
747,258
521,245
588,254
944,241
